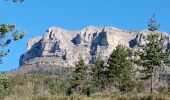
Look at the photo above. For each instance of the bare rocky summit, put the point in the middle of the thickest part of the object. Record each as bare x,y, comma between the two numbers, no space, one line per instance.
62,48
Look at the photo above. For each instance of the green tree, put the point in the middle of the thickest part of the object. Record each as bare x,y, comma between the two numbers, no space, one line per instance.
153,53
120,69
8,33
98,74
80,75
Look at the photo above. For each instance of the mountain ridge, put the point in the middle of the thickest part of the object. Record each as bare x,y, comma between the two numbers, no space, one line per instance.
61,48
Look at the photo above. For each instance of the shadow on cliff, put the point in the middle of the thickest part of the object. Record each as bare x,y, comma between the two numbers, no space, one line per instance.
100,40
135,41
33,52
76,40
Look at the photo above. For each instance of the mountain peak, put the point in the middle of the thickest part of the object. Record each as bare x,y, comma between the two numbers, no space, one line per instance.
59,47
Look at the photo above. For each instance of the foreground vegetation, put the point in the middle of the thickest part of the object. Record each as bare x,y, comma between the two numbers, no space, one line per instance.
97,96
31,87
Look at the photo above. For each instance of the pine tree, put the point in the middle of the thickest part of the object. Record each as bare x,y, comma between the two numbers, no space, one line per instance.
6,39
98,74
96,70
120,69
80,76
154,53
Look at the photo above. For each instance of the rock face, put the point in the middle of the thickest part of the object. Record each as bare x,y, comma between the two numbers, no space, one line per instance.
59,47
67,46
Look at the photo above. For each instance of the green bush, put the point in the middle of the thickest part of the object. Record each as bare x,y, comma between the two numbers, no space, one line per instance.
163,88
3,86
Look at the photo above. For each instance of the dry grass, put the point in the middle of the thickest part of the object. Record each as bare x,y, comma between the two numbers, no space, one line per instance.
96,96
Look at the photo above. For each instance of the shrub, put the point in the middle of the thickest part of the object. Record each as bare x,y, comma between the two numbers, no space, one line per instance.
3,86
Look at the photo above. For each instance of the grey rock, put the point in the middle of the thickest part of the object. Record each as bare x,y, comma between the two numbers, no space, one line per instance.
59,47
66,45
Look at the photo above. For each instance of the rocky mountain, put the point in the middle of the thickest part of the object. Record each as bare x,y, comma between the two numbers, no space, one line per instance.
62,48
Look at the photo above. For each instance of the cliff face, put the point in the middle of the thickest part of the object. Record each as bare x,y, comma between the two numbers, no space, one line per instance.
67,46
59,47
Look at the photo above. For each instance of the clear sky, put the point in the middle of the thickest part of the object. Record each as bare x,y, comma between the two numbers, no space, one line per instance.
36,16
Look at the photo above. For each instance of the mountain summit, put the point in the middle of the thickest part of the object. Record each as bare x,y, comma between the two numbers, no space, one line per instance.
62,48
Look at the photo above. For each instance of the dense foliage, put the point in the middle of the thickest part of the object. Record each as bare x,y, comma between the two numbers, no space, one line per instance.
29,85
32,87
80,78
154,52
98,74
120,70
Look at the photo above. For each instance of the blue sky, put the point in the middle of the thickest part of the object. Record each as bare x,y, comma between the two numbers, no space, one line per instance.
36,16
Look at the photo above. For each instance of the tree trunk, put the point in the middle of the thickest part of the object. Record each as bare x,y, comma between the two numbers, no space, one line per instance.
151,81
152,70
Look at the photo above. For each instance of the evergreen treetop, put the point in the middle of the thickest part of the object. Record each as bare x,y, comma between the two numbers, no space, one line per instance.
80,74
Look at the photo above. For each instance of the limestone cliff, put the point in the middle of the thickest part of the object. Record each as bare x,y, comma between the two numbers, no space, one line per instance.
59,47
60,44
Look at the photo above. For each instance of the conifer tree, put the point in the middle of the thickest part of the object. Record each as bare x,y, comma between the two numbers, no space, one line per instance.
154,53
80,75
98,74
8,33
96,70
120,69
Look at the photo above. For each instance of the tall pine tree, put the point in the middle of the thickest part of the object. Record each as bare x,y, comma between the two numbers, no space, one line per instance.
80,76
154,53
120,69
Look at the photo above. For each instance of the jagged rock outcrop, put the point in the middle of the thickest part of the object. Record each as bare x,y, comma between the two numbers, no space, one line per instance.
66,45
59,47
